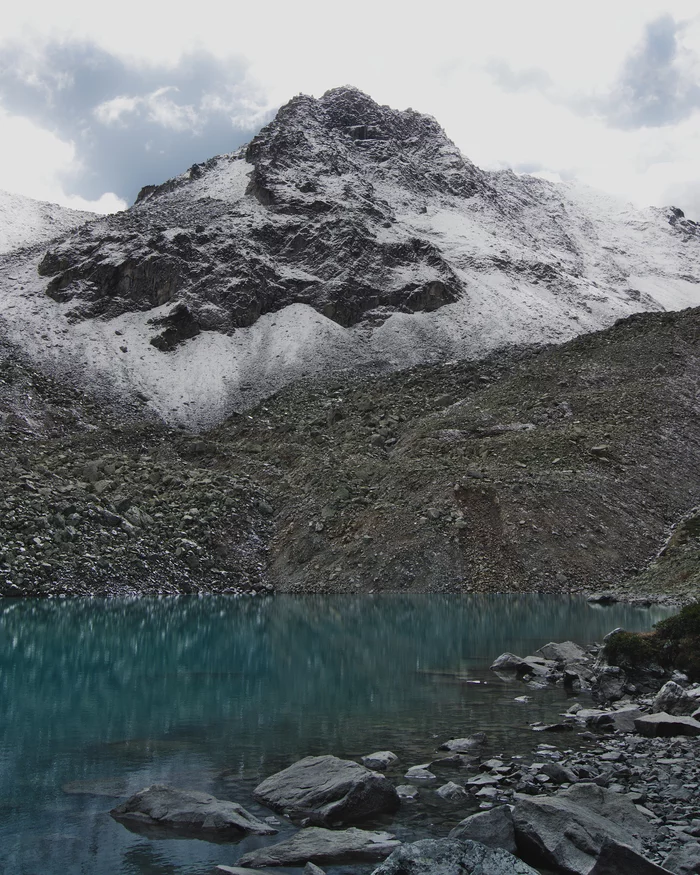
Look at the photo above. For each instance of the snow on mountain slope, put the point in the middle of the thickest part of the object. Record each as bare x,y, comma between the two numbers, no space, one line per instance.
26,222
346,235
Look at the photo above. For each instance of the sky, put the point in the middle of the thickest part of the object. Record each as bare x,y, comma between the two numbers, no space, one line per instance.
97,100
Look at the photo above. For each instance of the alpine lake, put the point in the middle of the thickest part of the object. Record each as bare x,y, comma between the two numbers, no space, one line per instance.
101,698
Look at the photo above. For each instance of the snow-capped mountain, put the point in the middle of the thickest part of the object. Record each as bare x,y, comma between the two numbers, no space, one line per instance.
25,222
346,234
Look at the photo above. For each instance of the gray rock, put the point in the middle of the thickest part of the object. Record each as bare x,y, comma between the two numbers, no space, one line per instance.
616,859
558,774
609,685
673,699
318,845
451,857
313,869
328,790
509,662
380,761
493,828
420,773
566,832
621,718
564,652
465,745
685,860
664,725
188,812
451,791
407,792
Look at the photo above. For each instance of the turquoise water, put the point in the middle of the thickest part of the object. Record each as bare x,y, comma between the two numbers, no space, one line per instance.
216,693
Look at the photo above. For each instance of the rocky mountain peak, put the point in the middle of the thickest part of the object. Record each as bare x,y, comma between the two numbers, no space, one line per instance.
345,235
345,131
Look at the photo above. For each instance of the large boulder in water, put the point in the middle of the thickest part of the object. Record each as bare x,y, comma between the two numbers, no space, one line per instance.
318,845
566,832
328,790
160,808
451,857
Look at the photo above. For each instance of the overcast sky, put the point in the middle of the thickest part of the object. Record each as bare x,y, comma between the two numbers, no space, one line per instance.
97,100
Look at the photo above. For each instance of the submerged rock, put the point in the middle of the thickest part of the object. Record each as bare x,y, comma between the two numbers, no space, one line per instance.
318,845
188,812
451,857
327,790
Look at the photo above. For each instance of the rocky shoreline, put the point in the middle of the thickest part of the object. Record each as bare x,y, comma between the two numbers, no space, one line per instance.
610,790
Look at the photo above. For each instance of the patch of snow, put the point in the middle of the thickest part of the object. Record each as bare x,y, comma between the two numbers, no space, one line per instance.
26,222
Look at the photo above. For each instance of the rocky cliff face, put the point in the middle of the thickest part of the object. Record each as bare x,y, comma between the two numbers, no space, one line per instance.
346,235
304,214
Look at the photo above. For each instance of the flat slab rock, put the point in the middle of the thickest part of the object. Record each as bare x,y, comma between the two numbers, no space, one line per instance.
451,857
328,790
318,845
188,811
664,725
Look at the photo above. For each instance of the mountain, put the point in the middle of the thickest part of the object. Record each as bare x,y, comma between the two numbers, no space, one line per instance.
25,222
347,236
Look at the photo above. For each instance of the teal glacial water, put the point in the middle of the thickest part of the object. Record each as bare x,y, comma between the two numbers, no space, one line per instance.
217,693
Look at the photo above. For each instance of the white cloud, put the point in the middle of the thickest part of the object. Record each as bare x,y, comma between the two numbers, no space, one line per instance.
112,112
32,162
406,54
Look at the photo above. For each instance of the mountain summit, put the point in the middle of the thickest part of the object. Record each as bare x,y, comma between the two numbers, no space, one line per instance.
344,235
332,177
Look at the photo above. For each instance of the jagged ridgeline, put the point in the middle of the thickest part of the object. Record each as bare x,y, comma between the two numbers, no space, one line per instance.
327,173
323,207
345,237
